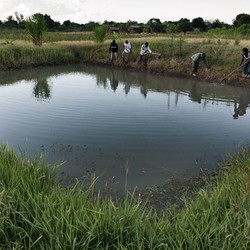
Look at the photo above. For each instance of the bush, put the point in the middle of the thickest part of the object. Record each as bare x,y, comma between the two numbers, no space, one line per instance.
100,33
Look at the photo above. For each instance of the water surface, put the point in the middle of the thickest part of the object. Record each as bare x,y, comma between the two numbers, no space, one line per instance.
104,121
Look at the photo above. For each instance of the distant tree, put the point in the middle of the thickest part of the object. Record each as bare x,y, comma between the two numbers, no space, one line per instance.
10,23
199,23
154,25
217,24
170,27
20,20
50,23
241,19
184,25
90,26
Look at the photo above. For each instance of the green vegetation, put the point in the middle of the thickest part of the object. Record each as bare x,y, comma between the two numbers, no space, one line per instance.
100,33
36,27
38,213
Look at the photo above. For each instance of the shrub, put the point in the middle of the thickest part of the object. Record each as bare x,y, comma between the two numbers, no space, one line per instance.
100,33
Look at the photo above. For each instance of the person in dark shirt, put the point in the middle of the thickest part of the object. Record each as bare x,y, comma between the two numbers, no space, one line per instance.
113,50
245,62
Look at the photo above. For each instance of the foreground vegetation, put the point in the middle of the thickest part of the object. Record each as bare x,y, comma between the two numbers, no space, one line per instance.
38,213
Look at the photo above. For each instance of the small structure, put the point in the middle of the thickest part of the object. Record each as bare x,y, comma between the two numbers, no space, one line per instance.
113,30
135,29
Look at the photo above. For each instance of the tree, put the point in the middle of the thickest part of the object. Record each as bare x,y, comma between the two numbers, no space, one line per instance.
217,24
10,23
171,27
36,27
184,25
241,19
20,20
199,23
154,25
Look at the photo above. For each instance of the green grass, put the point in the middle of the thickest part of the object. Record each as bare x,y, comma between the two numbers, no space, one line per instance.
38,213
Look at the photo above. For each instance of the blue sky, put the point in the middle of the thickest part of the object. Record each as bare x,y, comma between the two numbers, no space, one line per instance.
83,11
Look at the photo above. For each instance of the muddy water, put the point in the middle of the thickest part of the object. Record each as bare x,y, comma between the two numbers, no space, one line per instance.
121,125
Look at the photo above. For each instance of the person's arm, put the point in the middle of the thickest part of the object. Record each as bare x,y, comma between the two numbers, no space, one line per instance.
242,60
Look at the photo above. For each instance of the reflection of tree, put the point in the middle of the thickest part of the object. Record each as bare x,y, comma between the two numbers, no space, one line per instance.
101,79
41,89
113,81
241,106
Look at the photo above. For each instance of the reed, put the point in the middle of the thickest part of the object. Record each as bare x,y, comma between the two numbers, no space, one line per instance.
38,213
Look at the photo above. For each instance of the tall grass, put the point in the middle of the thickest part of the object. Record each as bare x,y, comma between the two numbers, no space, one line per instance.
38,213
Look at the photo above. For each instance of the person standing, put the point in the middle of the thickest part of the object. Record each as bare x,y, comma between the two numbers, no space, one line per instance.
113,50
196,59
145,50
245,62
126,51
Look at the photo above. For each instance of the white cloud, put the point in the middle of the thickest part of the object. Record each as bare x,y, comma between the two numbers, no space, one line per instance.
83,11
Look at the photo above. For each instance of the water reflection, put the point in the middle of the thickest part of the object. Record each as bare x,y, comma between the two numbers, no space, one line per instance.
241,105
113,80
41,89
199,92
98,119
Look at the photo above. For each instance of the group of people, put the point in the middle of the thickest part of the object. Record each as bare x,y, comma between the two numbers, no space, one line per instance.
113,50
196,58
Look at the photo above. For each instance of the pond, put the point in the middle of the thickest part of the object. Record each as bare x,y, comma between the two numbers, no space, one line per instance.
120,125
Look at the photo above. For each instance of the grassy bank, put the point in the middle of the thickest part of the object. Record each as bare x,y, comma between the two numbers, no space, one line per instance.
223,56
37,213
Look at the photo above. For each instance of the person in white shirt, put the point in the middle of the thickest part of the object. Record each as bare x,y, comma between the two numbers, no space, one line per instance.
145,50
126,51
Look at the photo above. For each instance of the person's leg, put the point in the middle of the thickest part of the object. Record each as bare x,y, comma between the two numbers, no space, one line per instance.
126,57
140,59
111,56
246,68
145,60
195,66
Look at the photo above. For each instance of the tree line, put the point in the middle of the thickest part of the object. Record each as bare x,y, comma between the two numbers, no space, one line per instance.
18,21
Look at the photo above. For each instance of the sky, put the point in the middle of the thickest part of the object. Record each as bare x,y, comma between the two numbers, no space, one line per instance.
84,11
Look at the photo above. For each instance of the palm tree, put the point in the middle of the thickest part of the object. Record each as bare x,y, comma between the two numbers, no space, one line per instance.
36,27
